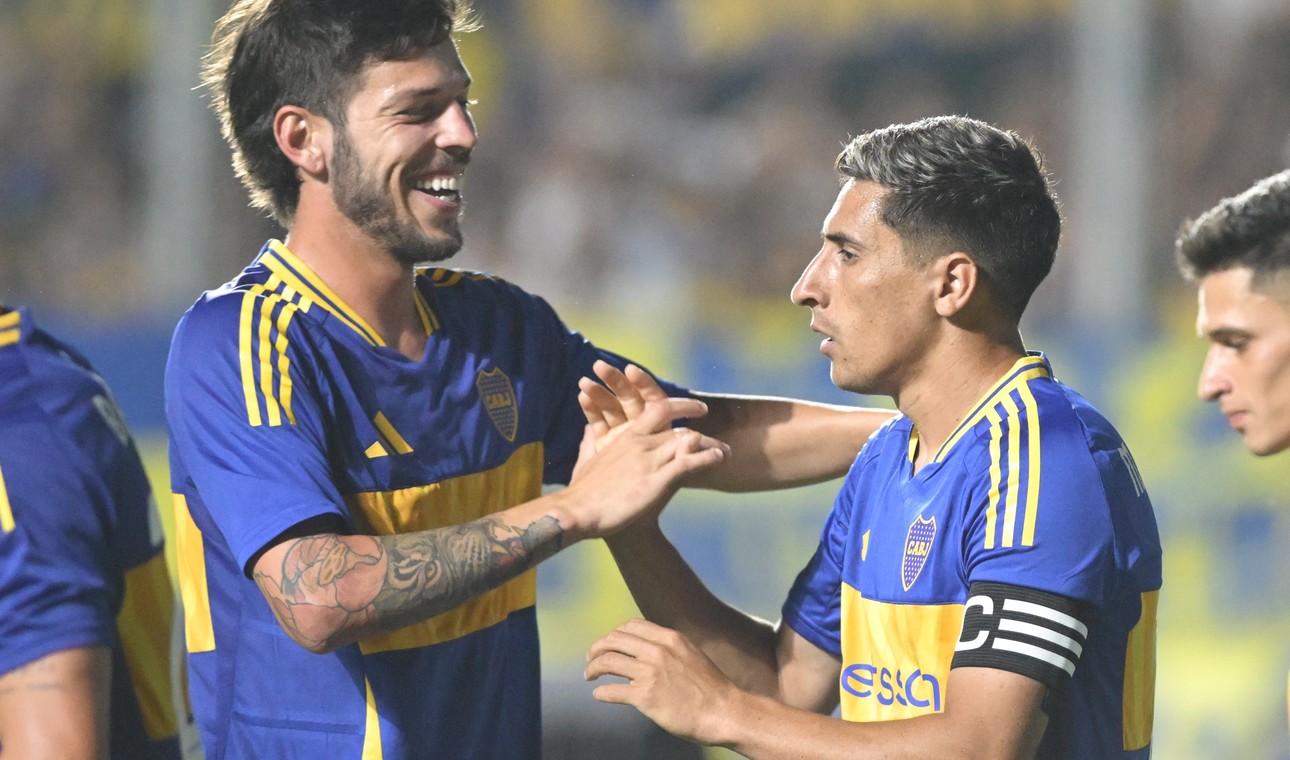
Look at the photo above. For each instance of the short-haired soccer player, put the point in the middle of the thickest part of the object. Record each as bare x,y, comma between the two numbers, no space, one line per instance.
358,450
1238,253
986,584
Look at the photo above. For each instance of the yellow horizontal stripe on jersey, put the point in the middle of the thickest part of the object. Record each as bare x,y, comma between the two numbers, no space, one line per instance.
10,337
10,319
312,288
199,633
6,510
144,624
454,502
1033,367
372,749
895,657
1140,676
391,435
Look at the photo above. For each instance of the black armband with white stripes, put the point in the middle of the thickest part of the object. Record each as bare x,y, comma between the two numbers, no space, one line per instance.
1035,633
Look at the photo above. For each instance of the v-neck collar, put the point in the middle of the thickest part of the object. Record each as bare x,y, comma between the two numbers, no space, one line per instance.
293,280
1034,364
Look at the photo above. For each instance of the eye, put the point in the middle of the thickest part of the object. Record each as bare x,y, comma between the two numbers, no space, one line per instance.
846,255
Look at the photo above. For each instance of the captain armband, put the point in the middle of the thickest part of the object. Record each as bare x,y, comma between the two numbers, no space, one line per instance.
1022,630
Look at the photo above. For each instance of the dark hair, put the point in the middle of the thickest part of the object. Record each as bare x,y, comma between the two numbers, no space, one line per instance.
1247,230
955,183
269,53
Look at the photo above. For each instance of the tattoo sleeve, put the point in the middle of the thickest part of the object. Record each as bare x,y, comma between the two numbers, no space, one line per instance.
334,589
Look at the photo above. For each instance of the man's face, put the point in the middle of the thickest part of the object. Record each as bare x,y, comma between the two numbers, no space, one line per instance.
871,303
1247,369
397,163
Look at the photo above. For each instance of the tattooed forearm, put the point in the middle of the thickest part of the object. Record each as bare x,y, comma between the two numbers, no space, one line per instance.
334,589
434,571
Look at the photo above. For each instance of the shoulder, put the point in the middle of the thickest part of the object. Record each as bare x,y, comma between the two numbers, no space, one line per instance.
46,381
480,288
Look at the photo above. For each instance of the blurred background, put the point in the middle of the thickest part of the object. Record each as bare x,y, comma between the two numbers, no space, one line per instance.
659,170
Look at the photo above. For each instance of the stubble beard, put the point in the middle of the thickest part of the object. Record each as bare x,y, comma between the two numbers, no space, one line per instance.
365,203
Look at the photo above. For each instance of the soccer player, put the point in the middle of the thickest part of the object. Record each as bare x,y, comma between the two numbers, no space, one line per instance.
86,603
358,449
986,583
1238,253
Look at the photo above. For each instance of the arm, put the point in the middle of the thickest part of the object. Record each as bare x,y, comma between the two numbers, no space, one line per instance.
988,713
774,442
57,706
328,589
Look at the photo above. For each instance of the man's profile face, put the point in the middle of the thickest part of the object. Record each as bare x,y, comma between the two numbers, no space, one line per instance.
398,161
1247,368
871,303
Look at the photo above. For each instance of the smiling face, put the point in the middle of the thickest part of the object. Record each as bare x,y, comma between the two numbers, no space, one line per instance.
397,162
1247,369
867,297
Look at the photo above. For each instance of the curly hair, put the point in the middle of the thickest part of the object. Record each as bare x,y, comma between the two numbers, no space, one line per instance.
265,54
1251,229
955,183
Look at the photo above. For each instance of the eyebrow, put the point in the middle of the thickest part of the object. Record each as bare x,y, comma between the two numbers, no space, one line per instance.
843,239
406,97
1226,333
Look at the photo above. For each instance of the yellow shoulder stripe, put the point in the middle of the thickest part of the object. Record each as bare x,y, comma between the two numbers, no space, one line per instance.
262,333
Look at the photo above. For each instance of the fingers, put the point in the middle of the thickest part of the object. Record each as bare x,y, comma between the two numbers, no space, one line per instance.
600,407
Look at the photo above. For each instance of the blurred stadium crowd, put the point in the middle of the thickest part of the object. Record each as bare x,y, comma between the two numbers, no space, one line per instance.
659,170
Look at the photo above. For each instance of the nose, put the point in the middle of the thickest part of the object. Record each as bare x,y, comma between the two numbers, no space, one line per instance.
457,128
806,291
1213,381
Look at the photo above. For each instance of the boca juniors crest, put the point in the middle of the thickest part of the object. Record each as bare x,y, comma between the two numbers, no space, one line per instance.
918,545
498,395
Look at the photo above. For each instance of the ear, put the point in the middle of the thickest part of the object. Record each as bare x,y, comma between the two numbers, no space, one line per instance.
304,138
956,280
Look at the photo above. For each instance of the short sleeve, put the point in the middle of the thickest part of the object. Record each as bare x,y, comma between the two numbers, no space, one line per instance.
247,423
1040,516
58,584
814,605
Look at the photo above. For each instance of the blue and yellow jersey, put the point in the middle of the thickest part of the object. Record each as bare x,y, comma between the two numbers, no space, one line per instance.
1035,489
284,404
81,560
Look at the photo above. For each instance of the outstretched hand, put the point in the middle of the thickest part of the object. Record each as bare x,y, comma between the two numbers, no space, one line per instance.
668,679
621,398
638,466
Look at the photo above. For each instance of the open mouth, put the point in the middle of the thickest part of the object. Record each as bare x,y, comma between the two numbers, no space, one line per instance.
443,188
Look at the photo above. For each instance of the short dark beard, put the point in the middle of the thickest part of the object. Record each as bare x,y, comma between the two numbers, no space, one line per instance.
366,204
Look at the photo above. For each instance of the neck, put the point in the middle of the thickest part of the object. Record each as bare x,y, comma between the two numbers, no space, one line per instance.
947,388
367,278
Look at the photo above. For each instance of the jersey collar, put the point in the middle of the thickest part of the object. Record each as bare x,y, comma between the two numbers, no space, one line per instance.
1034,364
292,278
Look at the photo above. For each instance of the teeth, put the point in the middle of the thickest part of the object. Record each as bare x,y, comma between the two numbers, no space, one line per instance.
440,184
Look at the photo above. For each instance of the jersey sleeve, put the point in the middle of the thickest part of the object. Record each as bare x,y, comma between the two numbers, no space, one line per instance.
813,607
247,423
57,585
1040,512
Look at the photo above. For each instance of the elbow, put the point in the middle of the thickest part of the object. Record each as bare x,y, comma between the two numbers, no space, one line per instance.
317,630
